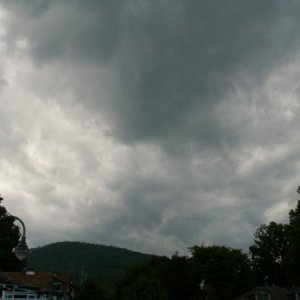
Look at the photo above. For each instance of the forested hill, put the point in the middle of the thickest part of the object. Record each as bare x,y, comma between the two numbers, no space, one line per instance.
81,260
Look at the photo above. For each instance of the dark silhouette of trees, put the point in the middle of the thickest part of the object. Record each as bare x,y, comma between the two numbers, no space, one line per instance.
91,289
225,271
9,238
275,253
177,275
143,282
293,262
104,263
269,253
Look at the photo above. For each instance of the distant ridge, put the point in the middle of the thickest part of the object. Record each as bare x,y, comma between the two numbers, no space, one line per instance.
81,260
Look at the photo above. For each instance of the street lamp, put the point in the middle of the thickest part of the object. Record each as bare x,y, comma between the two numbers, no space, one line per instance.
202,288
21,251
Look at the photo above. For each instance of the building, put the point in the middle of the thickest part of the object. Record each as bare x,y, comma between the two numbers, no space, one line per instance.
35,285
271,293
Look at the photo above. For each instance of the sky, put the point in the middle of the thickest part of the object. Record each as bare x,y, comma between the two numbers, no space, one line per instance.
151,125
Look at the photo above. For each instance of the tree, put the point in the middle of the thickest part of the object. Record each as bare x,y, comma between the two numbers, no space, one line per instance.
142,282
9,237
294,248
269,253
91,290
226,271
176,276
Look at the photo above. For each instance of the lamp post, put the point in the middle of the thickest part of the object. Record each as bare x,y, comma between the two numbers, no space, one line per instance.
21,251
202,288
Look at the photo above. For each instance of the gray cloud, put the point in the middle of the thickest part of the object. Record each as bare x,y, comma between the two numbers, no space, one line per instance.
176,60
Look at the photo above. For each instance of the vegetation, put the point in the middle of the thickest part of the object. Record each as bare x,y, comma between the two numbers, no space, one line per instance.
9,238
82,260
226,270
275,254
269,253
91,289
226,273
293,257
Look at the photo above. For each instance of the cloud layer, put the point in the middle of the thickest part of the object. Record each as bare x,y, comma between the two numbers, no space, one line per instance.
149,125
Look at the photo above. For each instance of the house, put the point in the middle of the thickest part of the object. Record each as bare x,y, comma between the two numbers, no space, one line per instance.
35,285
271,293
294,293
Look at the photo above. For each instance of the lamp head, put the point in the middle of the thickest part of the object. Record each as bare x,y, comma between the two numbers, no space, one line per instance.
21,251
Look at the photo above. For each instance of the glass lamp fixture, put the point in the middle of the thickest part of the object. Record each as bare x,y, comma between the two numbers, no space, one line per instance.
21,251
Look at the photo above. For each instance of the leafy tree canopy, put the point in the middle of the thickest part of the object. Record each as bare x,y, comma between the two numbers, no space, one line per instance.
269,253
9,238
294,246
225,271
91,289
143,282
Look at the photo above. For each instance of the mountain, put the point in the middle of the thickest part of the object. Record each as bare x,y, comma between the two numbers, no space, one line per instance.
81,260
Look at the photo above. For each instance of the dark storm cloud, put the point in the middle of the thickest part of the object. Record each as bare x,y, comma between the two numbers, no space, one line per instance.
69,29
176,60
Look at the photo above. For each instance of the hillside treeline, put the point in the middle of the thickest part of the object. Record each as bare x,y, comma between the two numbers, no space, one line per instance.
81,260
213,272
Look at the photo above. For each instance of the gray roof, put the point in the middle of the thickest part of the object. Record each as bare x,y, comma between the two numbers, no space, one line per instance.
277,293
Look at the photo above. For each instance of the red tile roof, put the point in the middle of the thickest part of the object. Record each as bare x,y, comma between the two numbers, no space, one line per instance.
39,280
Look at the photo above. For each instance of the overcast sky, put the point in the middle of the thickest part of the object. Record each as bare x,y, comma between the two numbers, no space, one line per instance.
151,125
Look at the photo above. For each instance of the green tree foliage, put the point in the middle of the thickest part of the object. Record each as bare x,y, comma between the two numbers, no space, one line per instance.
107,264
294,247
9,238
269,253
226,271
177,277
91,289
276,251
141,283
